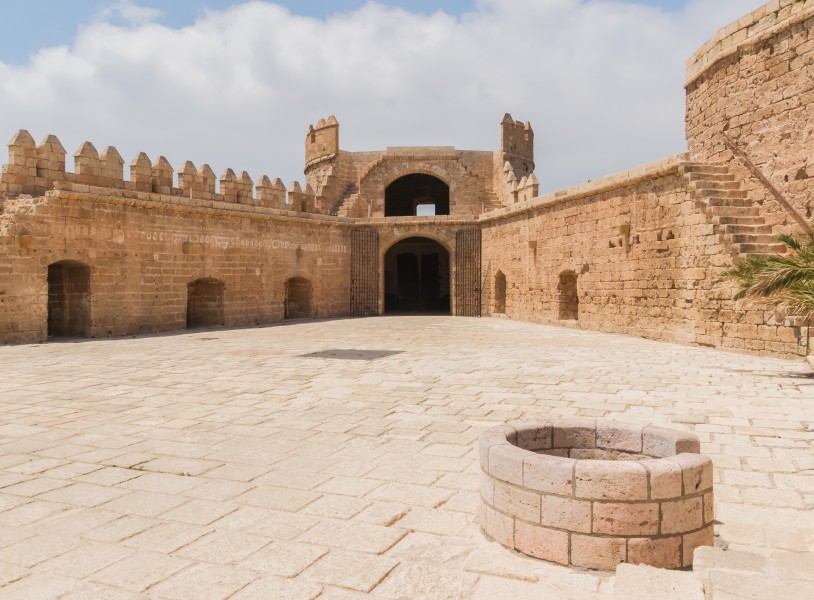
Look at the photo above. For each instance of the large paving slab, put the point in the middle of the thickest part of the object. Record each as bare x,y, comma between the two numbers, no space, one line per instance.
226,463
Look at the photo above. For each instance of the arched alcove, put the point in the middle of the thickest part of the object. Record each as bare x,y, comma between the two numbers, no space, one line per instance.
568,303
205,303
499,297
417,277
69,296
416,195
298,292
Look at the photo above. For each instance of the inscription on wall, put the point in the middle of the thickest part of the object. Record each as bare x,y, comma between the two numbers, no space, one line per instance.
216,241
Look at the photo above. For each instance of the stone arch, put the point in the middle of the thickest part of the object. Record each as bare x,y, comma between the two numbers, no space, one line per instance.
298,297
404,196
69,299
417,276
568,297
205,303
499,294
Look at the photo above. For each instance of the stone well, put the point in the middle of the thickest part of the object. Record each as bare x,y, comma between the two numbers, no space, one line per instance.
594,494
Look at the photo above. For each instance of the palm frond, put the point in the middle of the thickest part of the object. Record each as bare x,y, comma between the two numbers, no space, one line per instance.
786,280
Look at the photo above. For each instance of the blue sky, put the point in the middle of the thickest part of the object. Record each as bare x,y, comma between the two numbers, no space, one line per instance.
601,81
28,25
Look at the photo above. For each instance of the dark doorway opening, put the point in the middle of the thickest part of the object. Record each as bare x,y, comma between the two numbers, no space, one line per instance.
69,299
298,292
205,303
416,195
568,296
416,276
499,305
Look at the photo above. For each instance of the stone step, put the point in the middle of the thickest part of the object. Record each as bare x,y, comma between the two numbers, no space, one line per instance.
700,176
736,212
749,238
738,219
746,228
762,249
704,168
718,201
735,194
706,184
640,582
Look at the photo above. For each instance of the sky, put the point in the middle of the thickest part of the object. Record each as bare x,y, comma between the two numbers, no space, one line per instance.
236,84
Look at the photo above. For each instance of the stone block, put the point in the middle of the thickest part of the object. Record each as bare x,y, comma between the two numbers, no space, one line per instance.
665,479
549,474
682,515
575,433
599,553
541,542
610,480
618,436
565,513
696,471
517,502
499,527
534,436
506,463
626,518
660,442
664,553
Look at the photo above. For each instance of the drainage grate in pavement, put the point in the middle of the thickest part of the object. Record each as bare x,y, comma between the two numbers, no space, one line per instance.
340,354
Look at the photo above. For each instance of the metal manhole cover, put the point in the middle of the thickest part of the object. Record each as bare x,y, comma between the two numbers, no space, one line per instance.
344,354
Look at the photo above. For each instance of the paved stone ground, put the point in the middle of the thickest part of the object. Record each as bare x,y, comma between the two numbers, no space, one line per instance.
224,464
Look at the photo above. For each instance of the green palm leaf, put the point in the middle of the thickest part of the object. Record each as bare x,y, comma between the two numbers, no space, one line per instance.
786,280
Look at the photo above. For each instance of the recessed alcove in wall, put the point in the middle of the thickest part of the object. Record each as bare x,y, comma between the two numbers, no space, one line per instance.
417,277
405,195
69,299
499,298
205,302
298,292
568,297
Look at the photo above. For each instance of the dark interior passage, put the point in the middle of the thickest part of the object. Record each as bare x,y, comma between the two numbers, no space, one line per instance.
69,299
205,303
298,292
568,297
403,197
416,276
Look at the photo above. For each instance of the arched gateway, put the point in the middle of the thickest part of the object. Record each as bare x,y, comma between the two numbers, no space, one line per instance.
417,277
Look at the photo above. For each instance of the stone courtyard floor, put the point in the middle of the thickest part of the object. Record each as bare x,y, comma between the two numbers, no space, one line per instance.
226,464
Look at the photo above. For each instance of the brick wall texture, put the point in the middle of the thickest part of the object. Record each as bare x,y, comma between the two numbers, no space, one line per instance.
639,252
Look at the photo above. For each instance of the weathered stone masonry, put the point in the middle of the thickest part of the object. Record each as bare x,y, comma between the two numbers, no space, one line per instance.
91,253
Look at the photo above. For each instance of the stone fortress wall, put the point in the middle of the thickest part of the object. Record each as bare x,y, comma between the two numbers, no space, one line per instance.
639,252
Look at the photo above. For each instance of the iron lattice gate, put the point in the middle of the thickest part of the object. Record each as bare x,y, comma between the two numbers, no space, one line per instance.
467,273
364,272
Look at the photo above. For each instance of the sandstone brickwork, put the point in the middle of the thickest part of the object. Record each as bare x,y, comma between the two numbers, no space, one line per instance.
754,83
639,252
594,494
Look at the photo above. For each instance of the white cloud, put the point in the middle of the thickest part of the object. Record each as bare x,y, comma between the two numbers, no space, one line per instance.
129,13
600,81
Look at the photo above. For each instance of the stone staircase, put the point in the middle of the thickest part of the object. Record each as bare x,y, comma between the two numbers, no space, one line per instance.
736,219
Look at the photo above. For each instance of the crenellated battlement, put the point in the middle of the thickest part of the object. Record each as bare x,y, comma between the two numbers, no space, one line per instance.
35,169
322,141
517,144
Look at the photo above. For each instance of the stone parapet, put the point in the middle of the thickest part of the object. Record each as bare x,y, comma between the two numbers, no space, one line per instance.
627,178
594,494
750,29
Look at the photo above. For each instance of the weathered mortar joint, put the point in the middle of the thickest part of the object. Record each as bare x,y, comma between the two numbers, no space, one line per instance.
593,494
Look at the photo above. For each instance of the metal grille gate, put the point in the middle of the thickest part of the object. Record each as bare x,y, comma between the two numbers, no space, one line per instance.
364,274
468,273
